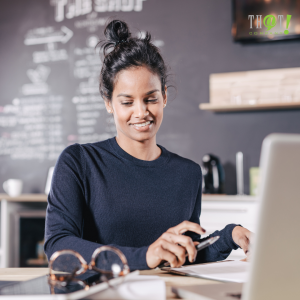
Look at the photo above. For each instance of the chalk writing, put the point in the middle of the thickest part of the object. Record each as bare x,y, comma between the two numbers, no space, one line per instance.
70,9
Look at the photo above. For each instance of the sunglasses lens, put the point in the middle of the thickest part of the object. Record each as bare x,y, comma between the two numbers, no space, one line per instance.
66,265
64,288
109,262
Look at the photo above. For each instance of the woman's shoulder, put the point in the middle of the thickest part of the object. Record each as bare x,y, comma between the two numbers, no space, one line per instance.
76,147
184,163
76,151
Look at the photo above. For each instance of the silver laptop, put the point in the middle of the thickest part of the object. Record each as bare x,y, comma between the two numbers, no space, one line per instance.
275,260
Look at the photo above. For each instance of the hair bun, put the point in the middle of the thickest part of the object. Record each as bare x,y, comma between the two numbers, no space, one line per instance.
118,56
117,31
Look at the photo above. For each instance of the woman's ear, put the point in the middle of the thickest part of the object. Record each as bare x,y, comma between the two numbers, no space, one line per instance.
108,106
165,96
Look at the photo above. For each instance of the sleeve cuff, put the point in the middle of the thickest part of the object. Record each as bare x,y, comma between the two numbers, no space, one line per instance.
228,232
138,260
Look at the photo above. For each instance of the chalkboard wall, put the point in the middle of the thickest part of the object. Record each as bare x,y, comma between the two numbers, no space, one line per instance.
49,81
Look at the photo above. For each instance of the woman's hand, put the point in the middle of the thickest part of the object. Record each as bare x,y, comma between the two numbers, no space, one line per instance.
242,237
172,246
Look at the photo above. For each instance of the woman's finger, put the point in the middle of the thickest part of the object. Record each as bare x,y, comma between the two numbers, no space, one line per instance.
250,235
244,244
187,226
180,252
165,255
184,241
242,237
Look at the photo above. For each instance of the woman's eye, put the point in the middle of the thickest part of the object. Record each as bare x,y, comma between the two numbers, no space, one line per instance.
147,100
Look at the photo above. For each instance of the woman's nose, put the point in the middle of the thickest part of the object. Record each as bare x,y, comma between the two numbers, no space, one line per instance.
141,110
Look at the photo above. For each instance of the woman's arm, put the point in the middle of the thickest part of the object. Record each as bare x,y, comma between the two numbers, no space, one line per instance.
221,249
167,248
65,211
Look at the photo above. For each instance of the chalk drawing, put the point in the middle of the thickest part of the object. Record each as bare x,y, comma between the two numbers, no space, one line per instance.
46,35
89,87
88,115
95,137
33,126
157,43
35,89
87,99
86,130
38,77
92,41
91,23
86,122
40,74
49,56
87,107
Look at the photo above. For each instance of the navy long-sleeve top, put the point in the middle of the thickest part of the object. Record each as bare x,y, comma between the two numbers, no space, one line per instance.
101,195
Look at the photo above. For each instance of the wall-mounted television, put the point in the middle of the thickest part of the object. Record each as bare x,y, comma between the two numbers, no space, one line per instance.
265,20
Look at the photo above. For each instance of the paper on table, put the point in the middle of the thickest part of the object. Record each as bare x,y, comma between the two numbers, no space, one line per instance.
135,287
143,287
229,271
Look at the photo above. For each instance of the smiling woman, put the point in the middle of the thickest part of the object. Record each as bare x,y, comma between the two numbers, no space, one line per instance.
133,85
137,105
129,192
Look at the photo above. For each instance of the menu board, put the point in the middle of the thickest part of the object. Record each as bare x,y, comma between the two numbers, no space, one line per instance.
49,80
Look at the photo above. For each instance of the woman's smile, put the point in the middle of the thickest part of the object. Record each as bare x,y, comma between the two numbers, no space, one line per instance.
142,126
137,105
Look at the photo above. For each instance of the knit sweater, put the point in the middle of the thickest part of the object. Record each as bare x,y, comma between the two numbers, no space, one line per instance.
101,195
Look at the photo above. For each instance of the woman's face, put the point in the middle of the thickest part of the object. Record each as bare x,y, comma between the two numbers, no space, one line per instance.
137,104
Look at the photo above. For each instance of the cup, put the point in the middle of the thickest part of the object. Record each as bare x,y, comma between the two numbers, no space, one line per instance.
13,187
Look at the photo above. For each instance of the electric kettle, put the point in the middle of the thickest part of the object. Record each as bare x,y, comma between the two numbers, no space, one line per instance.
213,175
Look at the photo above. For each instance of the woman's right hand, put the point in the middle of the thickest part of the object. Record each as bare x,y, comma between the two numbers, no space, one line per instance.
172,246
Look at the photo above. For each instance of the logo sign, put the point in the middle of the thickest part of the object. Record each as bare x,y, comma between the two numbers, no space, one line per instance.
70,9
270,24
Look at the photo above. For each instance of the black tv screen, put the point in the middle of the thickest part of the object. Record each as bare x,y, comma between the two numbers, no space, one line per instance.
265,20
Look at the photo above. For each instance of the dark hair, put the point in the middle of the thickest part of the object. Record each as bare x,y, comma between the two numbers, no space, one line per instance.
127,52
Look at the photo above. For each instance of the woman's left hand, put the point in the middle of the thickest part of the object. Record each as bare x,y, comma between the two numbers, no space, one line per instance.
242,237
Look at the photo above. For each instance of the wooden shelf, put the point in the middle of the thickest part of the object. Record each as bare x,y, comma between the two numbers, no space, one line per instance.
25,198
248,107
217,197
37,262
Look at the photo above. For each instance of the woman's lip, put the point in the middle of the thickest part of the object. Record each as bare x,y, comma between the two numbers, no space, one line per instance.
142,128
141,122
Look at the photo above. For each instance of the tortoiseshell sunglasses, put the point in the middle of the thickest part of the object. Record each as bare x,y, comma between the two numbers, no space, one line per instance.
107,262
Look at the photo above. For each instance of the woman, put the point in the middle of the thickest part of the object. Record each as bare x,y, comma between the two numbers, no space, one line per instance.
128,191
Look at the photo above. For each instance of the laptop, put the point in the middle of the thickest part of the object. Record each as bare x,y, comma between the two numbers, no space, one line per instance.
274,272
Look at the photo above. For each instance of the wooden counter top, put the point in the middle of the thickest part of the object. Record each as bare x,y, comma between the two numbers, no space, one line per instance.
25,198
205,197
22,274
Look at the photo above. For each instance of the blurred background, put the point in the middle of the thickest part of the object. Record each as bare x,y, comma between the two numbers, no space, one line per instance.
49,96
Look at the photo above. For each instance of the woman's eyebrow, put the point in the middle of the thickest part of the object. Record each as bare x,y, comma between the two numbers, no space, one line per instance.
129,96
151,92
124,95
